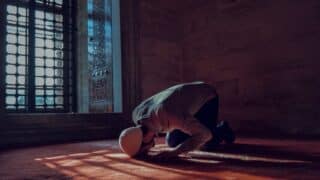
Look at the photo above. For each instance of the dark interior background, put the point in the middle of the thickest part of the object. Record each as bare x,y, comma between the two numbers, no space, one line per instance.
263,57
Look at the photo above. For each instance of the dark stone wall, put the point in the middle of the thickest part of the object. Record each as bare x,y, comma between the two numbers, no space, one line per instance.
20,130
159,46
263,56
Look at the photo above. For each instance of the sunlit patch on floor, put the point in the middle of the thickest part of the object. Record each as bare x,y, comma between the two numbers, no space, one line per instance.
78,154
117,155
118,166
113,164
203,161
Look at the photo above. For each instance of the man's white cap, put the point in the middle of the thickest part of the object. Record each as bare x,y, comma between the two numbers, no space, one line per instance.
130,140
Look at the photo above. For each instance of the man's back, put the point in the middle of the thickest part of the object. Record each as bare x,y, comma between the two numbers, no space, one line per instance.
179,100
187,98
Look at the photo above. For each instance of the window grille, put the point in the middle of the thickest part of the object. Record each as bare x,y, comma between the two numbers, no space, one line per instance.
39,55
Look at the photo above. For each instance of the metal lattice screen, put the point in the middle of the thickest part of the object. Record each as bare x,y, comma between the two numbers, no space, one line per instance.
39,55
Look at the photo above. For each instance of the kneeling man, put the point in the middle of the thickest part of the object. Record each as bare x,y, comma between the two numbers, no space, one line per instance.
187,112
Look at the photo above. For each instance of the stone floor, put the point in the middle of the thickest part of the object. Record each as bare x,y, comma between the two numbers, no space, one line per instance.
247,159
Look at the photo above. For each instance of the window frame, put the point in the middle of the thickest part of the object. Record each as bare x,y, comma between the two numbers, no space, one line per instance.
69,39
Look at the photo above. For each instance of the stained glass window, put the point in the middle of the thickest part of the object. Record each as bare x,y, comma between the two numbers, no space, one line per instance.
100,59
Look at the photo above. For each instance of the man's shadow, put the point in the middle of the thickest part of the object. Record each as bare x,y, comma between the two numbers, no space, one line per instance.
267,152
238,155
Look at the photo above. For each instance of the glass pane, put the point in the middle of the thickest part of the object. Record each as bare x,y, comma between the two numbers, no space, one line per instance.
49,101
21,70
11,38
39,71
39,81
49,63
49,72
11,9
39,62
11,59
39,100
10,100
21,91
22,40
11,79
53,3
59,92
10,91
58,82
21,100
22,11
22,60
39,92
21,80
11,49
58,72
49,81
100,56
49,43
59,100
49,92
39,42
11,69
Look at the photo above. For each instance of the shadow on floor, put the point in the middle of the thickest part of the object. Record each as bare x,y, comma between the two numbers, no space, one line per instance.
245,158
270,152
92,161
